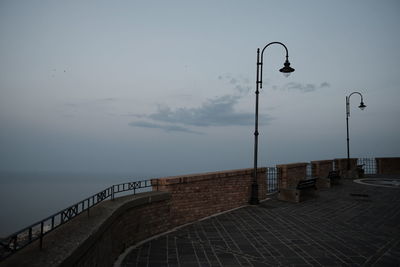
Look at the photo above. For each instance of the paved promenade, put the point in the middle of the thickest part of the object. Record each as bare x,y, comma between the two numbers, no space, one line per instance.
348,225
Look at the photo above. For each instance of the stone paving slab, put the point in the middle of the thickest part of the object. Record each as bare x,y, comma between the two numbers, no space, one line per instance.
347,225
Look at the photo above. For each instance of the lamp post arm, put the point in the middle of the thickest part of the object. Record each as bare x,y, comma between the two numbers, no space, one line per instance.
260,61
358,94
262,51
348,102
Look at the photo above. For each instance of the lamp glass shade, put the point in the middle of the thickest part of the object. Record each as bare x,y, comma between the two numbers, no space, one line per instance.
286,70
362,106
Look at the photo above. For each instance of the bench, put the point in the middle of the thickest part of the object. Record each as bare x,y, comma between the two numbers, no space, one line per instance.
334,177
303,190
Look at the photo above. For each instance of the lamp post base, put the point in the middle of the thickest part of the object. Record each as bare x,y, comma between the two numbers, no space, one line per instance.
254,195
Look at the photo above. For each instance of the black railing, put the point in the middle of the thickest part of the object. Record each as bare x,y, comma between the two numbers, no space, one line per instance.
272,180
309,171
37,231
368,165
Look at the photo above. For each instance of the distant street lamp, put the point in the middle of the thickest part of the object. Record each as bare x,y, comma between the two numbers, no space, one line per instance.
362,107
286,70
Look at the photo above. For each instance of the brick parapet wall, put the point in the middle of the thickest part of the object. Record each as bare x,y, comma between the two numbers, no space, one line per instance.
129,226
113,226
388,165
99,239
290,174
341,164
321,168
200,195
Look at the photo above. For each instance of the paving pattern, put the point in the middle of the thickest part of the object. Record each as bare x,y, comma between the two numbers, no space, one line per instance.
348,225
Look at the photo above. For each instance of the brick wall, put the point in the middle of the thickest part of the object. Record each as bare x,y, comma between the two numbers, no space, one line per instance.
99,239
341,164
113,226
388,165
129,226
291,174
199,195
321,168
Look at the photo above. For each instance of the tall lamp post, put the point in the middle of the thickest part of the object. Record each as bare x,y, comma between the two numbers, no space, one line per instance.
286,70
362,107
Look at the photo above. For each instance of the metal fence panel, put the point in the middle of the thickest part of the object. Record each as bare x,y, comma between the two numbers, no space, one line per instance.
368,165
272,180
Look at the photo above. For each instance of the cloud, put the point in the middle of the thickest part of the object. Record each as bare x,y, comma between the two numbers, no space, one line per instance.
325,84
305,88
218,111
214,112
167,128
240,85
211,113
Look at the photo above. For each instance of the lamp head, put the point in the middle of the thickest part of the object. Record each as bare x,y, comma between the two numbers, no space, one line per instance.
286,70
362,106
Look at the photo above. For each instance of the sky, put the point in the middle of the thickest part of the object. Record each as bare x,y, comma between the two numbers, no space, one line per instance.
167,87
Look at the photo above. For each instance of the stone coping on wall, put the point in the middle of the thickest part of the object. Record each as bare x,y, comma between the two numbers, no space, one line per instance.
322,161
71,240
292,165
344,161
205,176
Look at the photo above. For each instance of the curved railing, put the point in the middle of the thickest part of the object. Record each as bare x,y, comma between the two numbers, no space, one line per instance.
38,230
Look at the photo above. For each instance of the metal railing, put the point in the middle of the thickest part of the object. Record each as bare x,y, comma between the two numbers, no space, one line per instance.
38,230
309,171
272,180
368,165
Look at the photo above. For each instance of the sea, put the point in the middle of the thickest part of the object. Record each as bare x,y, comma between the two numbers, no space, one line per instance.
28,197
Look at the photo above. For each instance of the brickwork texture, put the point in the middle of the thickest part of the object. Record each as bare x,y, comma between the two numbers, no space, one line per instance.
200,195
388,165
291,174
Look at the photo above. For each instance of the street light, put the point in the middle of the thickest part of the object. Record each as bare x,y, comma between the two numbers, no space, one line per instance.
362,107
286,70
